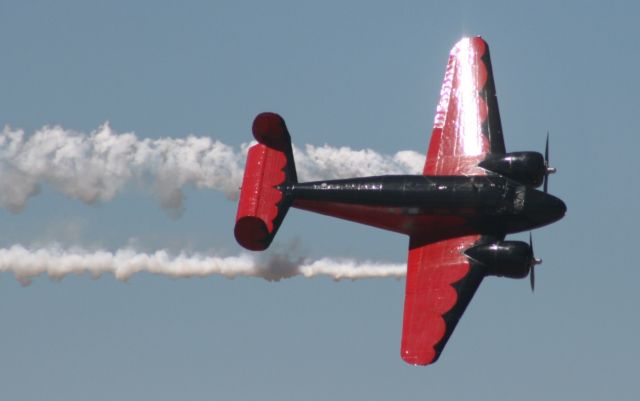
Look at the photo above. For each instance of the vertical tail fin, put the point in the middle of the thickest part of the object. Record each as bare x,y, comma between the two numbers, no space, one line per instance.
263,203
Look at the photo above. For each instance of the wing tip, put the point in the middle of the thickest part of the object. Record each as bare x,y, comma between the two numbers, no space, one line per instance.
468,42
422,358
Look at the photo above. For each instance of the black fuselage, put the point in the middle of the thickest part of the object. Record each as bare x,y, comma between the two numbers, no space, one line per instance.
489,204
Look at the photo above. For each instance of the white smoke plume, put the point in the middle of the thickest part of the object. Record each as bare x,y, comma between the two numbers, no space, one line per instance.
57,263
94,167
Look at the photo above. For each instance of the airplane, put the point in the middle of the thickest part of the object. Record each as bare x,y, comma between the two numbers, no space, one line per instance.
471,194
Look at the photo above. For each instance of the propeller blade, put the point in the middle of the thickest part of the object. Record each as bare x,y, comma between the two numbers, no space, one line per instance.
534,261
546,150
546,164
532,277
548,170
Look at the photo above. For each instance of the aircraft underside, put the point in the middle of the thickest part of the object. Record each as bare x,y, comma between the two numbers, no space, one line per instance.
433,207
472,193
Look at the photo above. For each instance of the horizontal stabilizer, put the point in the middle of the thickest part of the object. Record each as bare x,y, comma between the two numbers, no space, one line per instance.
263,204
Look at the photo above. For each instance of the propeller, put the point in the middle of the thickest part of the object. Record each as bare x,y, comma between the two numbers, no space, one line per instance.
548,170
534,261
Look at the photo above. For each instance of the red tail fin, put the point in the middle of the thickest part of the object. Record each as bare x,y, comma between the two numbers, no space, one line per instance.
263,204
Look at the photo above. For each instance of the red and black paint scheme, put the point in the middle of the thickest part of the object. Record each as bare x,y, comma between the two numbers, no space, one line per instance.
457,214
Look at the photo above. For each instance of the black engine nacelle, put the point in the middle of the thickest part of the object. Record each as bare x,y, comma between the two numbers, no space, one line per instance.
528,168
511,259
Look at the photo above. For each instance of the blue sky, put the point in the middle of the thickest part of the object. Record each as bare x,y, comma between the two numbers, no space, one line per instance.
358,74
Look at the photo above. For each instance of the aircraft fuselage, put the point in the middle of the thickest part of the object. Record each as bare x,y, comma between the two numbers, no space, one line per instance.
438,206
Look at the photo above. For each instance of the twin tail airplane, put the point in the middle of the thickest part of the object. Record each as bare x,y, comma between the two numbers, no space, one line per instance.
471,194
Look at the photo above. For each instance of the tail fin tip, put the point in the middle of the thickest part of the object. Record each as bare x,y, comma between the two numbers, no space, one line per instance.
252,233
271,130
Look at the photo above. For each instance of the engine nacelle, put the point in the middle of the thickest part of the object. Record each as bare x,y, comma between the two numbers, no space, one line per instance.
528,168
511,259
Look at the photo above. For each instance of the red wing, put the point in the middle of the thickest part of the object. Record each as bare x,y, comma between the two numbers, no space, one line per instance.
440,279
467,123
440,283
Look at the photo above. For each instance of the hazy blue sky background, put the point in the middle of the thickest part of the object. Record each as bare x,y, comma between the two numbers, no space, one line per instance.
359,74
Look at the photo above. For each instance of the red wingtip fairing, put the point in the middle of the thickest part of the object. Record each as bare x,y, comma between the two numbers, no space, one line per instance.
428,356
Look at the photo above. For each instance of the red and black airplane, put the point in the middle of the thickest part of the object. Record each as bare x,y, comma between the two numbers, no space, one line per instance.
470,195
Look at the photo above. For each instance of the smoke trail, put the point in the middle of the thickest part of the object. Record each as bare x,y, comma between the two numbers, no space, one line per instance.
57,263
94,167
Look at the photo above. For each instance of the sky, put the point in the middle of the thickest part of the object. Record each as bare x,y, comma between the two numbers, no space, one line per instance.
355,74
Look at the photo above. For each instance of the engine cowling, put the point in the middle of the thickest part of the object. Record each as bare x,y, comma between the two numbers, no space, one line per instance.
511,259
527,168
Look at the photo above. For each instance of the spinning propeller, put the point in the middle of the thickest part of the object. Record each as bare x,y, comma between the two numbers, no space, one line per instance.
548,170
534,261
